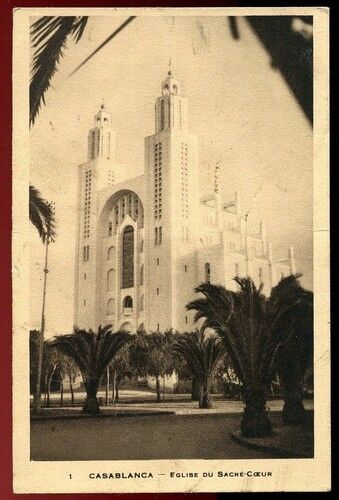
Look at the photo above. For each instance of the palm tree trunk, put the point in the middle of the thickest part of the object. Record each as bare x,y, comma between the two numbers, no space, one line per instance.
45,389
255,421
49,386
195,389
91,404
49,392
71,389
157,384
117,381
294,412
61,392
107,387
204,398
37,391
114,382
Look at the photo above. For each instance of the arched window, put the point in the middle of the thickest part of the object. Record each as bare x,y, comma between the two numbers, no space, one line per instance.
111,253
110,307
110,228
142,274
110,280
207,272
127,304
128,257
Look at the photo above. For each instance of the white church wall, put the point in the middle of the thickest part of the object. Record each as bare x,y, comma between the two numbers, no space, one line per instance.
180,241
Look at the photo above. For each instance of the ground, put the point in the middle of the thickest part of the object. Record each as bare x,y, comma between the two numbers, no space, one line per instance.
175,429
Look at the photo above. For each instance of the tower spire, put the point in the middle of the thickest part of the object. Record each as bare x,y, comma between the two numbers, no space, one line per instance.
170,67
101,138
170,107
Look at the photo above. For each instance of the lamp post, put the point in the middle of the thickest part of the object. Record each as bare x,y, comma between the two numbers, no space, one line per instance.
37,393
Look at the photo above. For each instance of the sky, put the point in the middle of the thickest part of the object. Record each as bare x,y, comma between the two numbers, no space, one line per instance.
242,110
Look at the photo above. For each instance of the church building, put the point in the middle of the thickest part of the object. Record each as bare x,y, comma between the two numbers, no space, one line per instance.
144,243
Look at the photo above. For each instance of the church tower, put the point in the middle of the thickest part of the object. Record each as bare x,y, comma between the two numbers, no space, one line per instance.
171,171
101,170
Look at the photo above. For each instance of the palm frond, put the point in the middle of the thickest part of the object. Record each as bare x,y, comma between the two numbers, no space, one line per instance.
49,35
92,351
41,214
105,42
201,353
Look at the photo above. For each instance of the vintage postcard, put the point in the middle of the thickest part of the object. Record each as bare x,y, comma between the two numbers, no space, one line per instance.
171,250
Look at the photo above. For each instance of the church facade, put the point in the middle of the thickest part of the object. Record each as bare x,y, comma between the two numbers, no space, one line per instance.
143,244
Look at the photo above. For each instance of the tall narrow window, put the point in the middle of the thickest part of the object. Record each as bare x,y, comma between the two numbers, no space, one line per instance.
162,114
142,274
85,256
156,236
110,307
128,257
110,229
160,235
93,145
207,273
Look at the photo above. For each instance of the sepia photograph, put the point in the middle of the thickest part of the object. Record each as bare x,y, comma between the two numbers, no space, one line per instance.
167,308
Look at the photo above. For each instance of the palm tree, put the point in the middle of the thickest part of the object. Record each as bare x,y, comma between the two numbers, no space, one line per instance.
151,354
92,352
159,359
119,368
50,365
49,36
295,354
202,353
251,328
41,215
